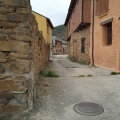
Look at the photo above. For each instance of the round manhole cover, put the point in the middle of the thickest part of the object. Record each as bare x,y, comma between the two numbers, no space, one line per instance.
88,109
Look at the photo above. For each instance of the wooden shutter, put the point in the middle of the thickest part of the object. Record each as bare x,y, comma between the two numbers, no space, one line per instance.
106,2
101,6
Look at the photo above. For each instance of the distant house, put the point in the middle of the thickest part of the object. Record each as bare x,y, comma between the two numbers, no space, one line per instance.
65,47
78,29
45,25
58,46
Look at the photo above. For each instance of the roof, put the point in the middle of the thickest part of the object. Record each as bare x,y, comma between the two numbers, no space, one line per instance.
70,10
48,20
64,42
54,38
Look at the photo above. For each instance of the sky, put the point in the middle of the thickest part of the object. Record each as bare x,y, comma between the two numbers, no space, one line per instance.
55,10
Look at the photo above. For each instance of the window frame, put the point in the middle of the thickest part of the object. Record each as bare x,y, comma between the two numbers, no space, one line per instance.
107,31
82,45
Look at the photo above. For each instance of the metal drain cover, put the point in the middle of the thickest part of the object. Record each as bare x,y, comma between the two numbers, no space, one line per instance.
88,109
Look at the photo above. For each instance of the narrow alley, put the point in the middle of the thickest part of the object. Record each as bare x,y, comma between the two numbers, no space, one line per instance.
79,83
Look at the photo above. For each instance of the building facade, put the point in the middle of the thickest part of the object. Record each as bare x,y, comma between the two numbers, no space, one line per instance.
45,25
98,42
78,29
106,33
59,47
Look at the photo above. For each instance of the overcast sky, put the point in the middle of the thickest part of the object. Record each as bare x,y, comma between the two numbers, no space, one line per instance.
55,10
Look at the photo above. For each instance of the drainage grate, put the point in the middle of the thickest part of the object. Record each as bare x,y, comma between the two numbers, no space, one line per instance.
88,109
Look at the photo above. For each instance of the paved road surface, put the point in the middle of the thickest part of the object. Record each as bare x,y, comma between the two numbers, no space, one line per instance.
69,89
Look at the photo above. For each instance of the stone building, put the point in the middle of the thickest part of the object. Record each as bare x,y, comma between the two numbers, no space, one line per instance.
65,47
106,37
78,29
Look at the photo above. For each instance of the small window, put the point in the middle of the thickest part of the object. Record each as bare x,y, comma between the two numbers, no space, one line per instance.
83,45
101,6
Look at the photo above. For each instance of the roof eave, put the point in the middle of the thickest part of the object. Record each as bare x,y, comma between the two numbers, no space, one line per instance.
49,21
70,10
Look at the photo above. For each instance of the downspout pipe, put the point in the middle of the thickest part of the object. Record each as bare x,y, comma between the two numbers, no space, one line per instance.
93,4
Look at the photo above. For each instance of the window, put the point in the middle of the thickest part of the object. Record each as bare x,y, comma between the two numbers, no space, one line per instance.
83,45
107,35
101,7
107,31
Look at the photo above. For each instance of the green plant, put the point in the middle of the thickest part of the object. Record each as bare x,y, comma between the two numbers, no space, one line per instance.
113,73
41,72
6,118
81,75
49,73
89,75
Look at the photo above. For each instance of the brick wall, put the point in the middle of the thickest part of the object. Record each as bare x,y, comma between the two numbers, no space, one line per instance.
23,52
87,11
75,18
78,12
108,56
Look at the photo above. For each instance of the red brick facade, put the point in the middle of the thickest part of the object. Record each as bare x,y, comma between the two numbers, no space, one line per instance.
107,54
78,30
102,46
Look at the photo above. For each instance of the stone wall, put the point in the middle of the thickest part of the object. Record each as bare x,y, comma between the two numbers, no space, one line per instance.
23,52
75,45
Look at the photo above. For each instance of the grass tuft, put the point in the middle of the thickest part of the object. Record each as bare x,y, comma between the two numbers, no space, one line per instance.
81,75
113,73
49,73
89,75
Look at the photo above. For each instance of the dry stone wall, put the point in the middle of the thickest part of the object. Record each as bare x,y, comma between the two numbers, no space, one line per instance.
23,53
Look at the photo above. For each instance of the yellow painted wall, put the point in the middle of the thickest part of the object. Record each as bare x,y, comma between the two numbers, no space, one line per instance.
41,24
44,26
49,35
